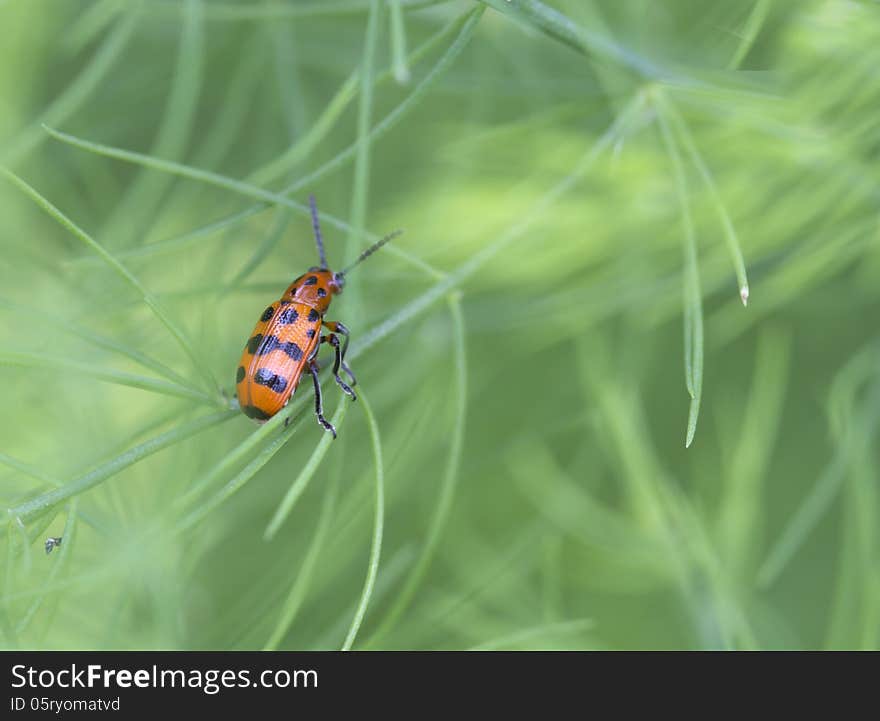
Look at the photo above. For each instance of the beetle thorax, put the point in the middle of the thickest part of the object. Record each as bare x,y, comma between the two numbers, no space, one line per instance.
315,289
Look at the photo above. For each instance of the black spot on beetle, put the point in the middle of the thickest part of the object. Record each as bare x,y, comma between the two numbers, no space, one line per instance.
288,316
311,280
292,349
272,343
239,374
313,315
273,381
321,292
254,343
255,413
268,313
310,333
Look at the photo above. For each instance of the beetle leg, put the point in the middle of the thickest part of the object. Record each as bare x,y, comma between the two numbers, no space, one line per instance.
319,406
352,379
333,340
337,327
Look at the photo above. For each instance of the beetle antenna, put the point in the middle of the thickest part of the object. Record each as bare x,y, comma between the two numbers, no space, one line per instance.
316,226
372,249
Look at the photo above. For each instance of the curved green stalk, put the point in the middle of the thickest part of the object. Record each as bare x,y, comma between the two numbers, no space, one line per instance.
450,477
378,526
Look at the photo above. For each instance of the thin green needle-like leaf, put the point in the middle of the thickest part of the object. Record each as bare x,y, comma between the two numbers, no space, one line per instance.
108,375
378,526
693,304
48,500
305,475
148,298
688,318
733,245
750,32
300,586
450,477
398,42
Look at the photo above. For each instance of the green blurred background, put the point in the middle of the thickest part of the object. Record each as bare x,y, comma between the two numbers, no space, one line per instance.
576,180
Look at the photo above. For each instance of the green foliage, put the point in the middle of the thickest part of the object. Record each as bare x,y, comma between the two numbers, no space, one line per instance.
579,183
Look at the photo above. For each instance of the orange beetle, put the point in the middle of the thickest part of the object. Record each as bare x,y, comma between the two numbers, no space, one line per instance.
285,341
